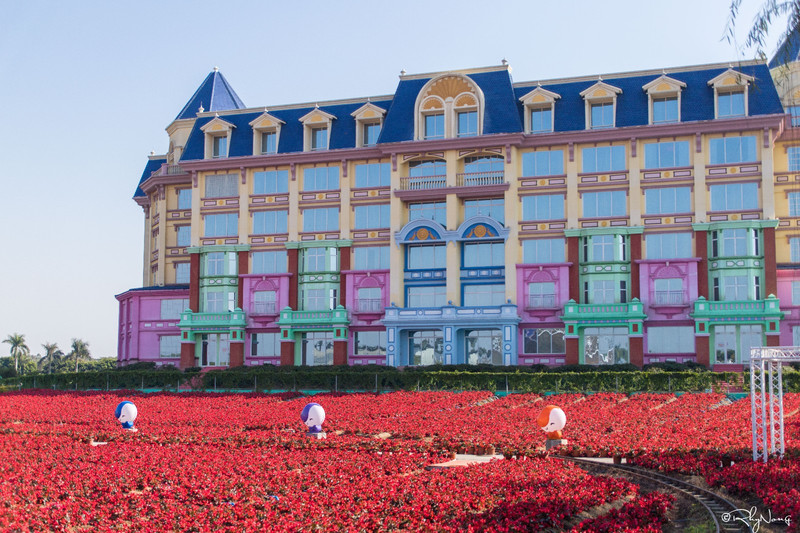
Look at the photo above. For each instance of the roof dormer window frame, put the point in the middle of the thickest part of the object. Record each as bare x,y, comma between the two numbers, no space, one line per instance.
448,95
601,93
729,82
537,100
663,87
215,130
316,119
265,123
367,115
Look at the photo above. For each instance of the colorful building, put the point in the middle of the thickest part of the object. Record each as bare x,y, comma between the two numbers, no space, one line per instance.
639,217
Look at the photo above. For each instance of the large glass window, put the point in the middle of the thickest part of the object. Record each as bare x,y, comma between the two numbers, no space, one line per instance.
171,309
543,341
317,348
665,110
265,345
793,156
434,126
670,339
666,154
271,182
796,294
219,147
371,258
426,256
668,245
427,296
605,346
169,346
794,111
370,343
429,210
184,235
734,288
320,259
732,344
182,273
318,296
264,302
425,169
221,186
734,196
425,348
727,150
319,138
601,248
269,262
668,200
484,347
541,295
794,204
734,242
543,207
668,291
484,295
369,300
484,254
467,124
219,301
794,249
269,142
185,199
543,251
225,225
541,120
605,204
602,115
321,219
474,165
215,349
372,216
371,133
268,222
321,178
488,207
603,159
373,175
544,163
603,291
730,104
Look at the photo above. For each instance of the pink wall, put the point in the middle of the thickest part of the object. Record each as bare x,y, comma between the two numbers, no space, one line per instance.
543,317
791,318
363,279
140,325
652,269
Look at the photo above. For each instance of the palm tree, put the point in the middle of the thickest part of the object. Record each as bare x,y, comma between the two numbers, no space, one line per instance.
51,355
18,348
80,352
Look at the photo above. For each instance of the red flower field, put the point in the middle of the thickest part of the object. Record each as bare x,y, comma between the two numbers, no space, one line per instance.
242,462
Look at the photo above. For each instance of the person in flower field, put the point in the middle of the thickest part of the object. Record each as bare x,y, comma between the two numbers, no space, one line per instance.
126,413
313,415
552,420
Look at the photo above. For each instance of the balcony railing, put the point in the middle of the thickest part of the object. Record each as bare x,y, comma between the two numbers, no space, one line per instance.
233,318
541,301
264,308
480,179
668,298
369,305
168,170
422,183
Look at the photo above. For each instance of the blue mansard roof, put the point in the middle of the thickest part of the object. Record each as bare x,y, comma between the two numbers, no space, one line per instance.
788,50
214,94
151,166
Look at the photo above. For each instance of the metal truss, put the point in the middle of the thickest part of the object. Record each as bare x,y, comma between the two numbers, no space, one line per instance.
766,399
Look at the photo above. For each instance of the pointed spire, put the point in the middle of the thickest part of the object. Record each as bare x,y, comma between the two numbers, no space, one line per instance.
216,92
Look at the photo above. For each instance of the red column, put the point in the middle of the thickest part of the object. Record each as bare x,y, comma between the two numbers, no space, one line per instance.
701,249
293,255
287,353
339,352
701,346
636,254
770,263
637,351
194,282
187,355
237,354
573,256
773,340
243,264
344,264
572,355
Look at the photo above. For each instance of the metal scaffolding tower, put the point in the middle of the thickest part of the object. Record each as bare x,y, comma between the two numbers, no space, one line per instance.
766,398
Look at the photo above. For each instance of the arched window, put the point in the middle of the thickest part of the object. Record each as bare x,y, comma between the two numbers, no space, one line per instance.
449,106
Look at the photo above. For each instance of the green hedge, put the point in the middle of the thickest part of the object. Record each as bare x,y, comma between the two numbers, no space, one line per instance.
134,379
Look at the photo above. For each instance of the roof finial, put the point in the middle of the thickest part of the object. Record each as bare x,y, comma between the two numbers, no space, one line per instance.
152,152
599,77
216,69
402,72
201,108
504,61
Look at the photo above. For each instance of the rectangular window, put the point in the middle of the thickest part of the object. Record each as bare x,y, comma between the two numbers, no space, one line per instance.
427,296
320,259
169,346
318,297
734,242
605,346
542,120
484,295
794,204
607,248
543,207
794,250
219,147
483,347
214,264
372,216
668,200
541,295
269,142
734,196
730,104
371,133
734,288
794,111
666,154
795,294
726,339
668,291
219,301
665,110
428,210
271,182
670,339
370,343
184,235
369,300
265,345
321,219
425,348
605,204
543,341
222,186
270,222
373,175
603,159
269,262
434,126
172,309
727,150
426,169
226,225
793,155
484,164
185,199
468,124
484,254
321,178
264,302
371,258
545,163
319,138
543,251
602,115
489,207
668,245
603,291
725,344
182,273
424,257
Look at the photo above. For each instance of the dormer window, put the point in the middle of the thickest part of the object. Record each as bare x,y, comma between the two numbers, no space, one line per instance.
316,130
369,120
449,106
266,132
730,94
539,104
664,100
601,105
217,138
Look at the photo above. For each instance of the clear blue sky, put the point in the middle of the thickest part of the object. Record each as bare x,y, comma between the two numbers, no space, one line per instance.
88,88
